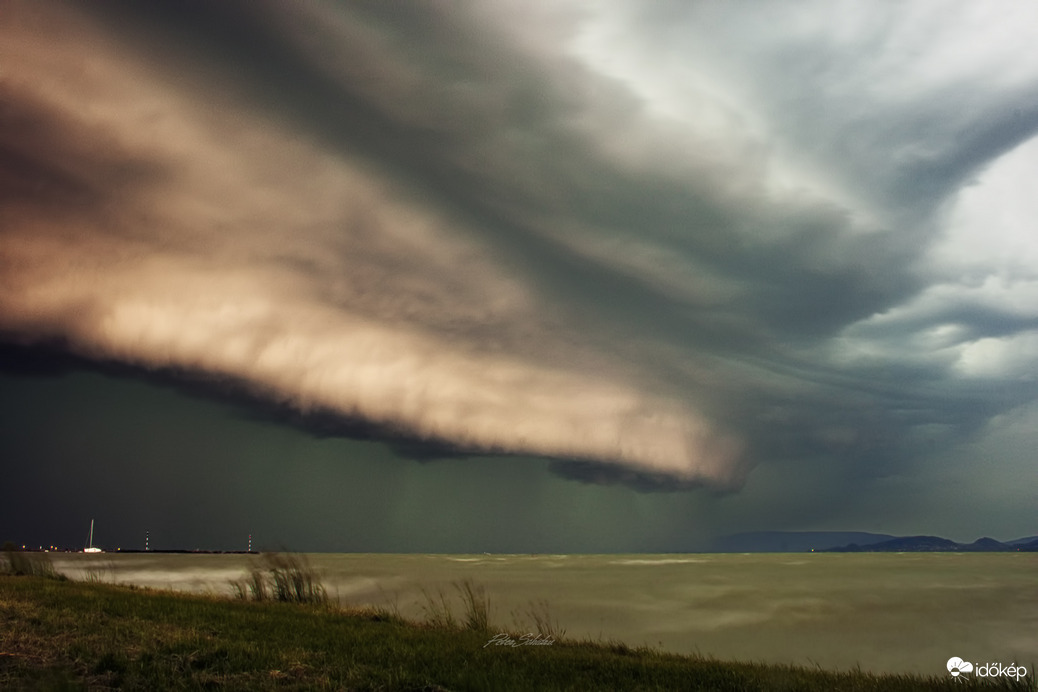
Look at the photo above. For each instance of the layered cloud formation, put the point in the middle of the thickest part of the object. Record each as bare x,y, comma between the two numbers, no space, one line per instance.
672,241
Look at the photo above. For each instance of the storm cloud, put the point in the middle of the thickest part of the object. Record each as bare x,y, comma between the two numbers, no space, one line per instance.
662,243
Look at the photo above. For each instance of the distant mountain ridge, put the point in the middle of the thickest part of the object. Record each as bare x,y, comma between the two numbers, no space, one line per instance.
932,544
1018,541
859,542
793,541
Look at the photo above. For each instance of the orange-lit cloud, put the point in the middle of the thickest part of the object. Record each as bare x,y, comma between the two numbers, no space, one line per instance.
559,237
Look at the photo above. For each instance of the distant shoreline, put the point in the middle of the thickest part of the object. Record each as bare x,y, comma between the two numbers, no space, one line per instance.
793,542
141,552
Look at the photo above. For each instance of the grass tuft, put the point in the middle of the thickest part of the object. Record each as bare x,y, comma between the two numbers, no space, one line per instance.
101,573
287,578
439,612
477,605
537,617
22,563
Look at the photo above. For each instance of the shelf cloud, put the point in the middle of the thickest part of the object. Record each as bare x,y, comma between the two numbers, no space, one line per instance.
668,242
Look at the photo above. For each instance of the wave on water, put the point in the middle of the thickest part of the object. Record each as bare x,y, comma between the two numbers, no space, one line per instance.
659,561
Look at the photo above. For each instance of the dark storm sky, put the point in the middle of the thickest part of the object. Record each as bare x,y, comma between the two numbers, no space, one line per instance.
516,276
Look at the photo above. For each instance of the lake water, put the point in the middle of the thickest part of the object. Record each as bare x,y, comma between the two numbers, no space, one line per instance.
882,611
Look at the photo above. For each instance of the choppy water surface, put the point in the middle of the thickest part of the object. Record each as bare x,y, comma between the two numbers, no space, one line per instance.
884,612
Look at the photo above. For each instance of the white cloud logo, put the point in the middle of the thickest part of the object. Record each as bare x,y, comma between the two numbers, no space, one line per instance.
956,666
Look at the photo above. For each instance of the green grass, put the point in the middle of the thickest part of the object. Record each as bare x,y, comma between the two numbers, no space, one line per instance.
26,564
283,577
78,635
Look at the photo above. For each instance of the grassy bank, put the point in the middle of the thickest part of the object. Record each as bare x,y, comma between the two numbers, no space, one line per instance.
73,635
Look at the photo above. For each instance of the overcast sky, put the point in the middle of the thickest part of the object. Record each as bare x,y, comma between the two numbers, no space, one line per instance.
517,276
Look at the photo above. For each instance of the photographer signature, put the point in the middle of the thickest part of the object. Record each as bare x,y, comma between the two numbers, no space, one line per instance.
504,639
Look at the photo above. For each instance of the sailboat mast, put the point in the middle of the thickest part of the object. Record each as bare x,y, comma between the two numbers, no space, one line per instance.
90,541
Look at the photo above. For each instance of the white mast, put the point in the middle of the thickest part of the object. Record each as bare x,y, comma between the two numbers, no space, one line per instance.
90,542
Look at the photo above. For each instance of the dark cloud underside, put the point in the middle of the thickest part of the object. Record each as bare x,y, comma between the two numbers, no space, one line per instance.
663,247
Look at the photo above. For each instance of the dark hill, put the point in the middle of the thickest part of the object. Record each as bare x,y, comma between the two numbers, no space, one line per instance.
987,545
792,541
933,544
858,542
1021,541
902,545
